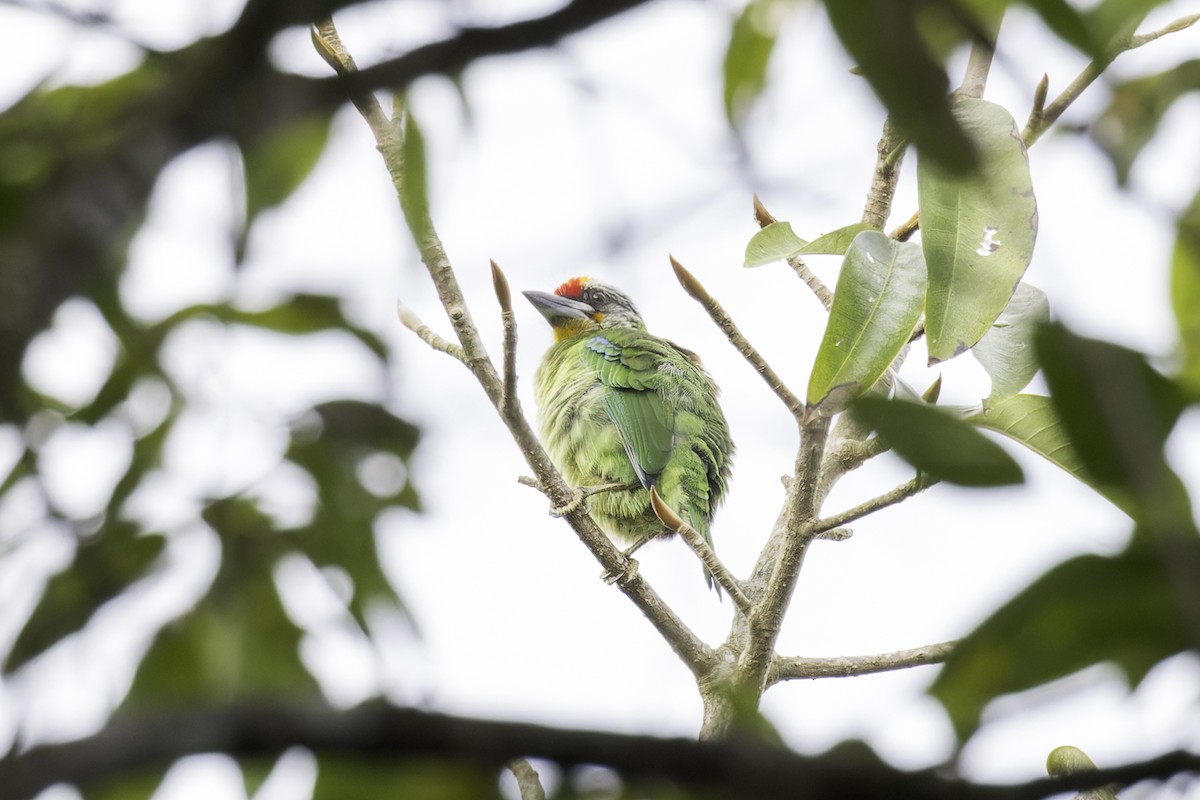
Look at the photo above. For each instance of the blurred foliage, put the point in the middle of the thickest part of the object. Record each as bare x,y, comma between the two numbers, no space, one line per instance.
78,165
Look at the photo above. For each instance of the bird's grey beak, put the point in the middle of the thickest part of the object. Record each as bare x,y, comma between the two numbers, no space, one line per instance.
555,308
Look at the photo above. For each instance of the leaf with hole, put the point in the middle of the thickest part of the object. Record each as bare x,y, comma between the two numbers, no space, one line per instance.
977,231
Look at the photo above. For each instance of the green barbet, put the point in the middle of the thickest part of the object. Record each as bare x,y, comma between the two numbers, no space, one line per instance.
619,405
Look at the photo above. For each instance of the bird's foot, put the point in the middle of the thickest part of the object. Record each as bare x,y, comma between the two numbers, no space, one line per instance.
581,493
578,495
621,576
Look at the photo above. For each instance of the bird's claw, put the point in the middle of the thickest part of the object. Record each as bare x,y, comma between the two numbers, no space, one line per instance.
577,498
623,576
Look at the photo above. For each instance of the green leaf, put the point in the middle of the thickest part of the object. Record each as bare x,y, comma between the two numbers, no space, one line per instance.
834,243
278,163
297,315
1031,420
883,37
938,443
751,40
1006,351
1088,610
978,231
875,308
1185,295
1118,412
775,242
1068,760
1136,109
105,566
412,181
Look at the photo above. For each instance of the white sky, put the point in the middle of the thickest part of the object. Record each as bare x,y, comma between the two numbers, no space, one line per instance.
615,138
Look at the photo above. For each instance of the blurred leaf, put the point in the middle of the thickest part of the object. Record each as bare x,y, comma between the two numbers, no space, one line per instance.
1006,350
341,778
775,242
1088,610
882,36
1118,412
297,315
128,785
238,642
277,164
1136,109
1031,420
751,40
105,565
834,243
1185,295
331,447
876,306
413,187
938,443
978,231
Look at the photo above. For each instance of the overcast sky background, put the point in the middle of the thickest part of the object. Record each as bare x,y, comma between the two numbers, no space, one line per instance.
600,157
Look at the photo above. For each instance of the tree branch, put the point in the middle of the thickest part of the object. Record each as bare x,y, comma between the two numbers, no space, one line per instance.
735,766
815,284
394,141
698,293
801,668
901,492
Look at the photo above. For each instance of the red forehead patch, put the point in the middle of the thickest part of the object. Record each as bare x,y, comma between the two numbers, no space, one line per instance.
573,288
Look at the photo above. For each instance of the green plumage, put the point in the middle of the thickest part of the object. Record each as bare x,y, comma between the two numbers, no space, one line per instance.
619,405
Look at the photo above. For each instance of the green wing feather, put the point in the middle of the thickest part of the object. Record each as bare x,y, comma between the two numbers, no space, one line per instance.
626,364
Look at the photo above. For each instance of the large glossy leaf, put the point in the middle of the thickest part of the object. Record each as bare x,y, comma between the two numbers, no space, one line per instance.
1118,412
1006,351
883,38
775,242
1091,609
1031,420
977,231
939,443
875,307
1185,296
751,41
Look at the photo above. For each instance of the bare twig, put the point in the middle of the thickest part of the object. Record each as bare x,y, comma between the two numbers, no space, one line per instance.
801,668
901,492
528,781
979,64
410,320
765,218
509,322
1035,128
890,154
725,323
702,549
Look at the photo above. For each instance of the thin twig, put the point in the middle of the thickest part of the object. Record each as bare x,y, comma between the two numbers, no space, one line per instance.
901,492
508,321
905,230
889,155
698,293
801,668
702,549
528,782
765,218
1093,71
410,320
